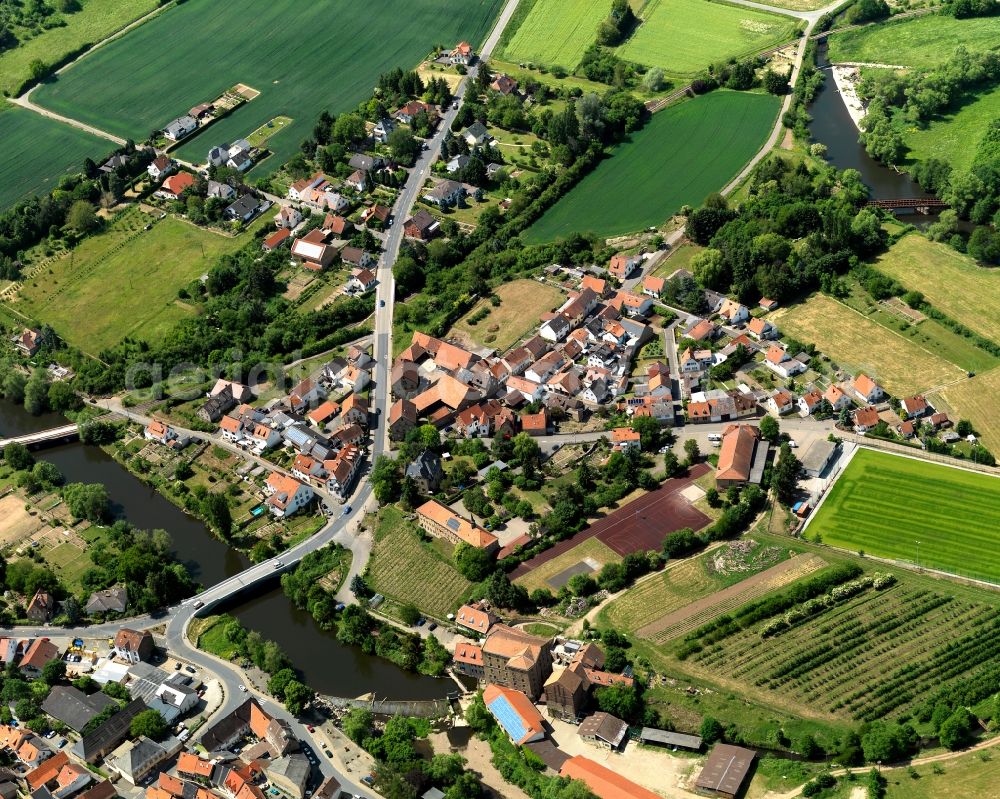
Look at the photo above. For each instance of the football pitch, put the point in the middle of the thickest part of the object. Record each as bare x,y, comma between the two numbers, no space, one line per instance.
911,510
302,57
682,155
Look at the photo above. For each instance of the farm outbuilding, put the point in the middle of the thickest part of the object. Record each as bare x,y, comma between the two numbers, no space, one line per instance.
651,735
725,771
818,456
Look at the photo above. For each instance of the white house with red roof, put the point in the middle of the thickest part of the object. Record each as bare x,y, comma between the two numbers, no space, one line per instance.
780,362
286,495
837,397
866,389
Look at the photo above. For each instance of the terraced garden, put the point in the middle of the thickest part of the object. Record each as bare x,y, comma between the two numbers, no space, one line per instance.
687,581
882,504
405,569
690,617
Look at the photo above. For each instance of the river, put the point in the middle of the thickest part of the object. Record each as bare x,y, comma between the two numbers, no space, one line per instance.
832,125
327,665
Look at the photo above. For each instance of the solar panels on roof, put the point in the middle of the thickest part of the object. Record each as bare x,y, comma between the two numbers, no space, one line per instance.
508,718
453,523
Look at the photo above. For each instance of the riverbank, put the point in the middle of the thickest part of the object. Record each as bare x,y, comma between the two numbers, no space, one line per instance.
846,78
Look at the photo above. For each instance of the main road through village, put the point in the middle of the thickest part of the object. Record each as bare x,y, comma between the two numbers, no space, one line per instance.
343,527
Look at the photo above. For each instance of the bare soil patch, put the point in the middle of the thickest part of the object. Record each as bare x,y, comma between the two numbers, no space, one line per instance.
15,522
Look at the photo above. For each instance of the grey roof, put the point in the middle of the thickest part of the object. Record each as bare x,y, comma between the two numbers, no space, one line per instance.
145,681
818,455
726,769
432,793
114,162
245,205
239,159
294,768
477,129
111,733
364,162
653,735
177,127
109,600
217,189
608,728
141,752
459,161
73,707
445,189
426,466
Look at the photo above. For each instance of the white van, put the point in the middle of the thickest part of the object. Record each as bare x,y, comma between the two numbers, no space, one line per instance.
715,438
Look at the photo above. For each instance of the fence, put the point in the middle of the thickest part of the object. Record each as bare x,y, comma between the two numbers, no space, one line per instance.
917,452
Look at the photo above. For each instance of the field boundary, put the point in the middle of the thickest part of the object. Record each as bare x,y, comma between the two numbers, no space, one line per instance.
679,621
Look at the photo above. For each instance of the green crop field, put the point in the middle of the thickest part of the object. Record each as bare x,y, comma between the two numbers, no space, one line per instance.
302,57
407,570
952,282
37,151
918,42
884,504
953,136
685,36
682,155
96,20
123,282
556,32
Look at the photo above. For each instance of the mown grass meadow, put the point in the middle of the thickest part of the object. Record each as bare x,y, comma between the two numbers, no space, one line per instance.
685,36
681,155
302,57
95,21
918,42
123,281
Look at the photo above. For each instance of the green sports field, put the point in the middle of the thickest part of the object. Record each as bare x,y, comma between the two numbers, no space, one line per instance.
556,32
685,36
36,151
918,42
302,57
682,155
884,504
